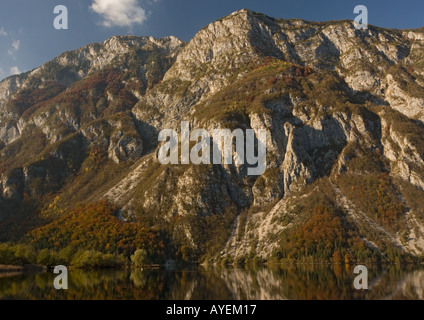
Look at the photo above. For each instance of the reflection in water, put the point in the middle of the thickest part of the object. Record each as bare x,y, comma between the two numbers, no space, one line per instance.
305,282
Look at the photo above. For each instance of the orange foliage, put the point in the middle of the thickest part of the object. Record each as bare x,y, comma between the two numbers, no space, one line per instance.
324,236
26,100
375,195
323,229
95,226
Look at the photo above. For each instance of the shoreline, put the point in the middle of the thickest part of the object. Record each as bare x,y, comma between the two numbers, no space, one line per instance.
21,268
39,268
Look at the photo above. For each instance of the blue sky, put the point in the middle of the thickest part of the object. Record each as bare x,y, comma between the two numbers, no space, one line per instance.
28,38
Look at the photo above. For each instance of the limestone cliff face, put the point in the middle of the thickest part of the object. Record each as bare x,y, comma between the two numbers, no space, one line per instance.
142,60
343,110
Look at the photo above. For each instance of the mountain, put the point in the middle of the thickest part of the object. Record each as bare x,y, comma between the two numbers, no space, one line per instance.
343,110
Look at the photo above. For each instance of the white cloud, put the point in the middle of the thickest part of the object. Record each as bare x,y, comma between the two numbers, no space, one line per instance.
15,47
3,32
16,44
122,13
14,70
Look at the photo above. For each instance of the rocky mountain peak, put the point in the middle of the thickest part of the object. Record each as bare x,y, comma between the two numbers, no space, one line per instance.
225,44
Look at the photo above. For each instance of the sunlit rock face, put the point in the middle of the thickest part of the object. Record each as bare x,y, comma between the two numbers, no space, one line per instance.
342,108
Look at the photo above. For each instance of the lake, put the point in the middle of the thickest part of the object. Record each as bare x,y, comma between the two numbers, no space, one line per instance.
272,283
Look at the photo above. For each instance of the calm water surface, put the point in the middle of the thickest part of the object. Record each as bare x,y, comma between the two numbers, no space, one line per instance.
305,282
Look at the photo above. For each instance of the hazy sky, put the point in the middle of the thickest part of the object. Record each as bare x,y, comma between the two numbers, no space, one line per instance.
29,39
